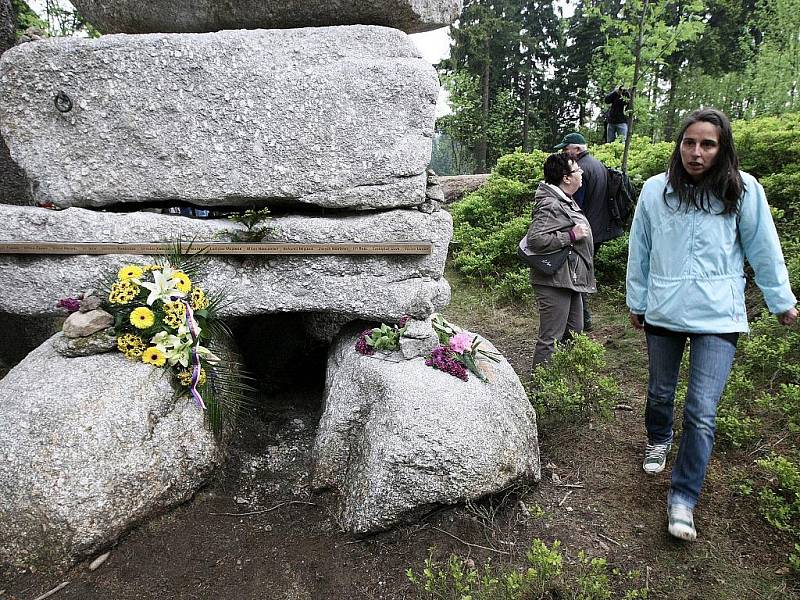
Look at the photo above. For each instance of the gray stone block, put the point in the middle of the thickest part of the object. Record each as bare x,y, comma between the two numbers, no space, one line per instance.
198,16
371,287
340,117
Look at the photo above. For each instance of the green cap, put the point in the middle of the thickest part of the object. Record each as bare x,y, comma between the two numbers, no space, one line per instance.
571,138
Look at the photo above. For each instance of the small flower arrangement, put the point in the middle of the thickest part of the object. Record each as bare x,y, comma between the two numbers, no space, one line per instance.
385,338
457,351
71,305
165,319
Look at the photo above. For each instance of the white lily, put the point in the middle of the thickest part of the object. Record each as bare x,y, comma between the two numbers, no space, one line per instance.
163,286
178,348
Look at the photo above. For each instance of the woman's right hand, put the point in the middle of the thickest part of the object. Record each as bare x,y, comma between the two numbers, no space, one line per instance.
580,231
637,321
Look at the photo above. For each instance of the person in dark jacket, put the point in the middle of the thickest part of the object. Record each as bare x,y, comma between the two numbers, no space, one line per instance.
592,197
616,118
557,222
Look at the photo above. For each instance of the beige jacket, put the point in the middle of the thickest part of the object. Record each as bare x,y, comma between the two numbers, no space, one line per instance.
554,214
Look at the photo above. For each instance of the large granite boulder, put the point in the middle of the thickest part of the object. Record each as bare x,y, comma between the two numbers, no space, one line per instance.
371,287
398,438
340,117
199,16
89,447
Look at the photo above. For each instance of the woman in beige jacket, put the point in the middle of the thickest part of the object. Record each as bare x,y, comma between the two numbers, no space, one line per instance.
558,222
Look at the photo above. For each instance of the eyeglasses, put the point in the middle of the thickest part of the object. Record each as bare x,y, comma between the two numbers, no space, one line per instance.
578,170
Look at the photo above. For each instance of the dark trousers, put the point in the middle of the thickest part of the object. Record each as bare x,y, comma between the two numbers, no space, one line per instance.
560,313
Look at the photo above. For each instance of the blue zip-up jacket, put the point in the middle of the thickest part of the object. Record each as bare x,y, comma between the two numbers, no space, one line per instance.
686,266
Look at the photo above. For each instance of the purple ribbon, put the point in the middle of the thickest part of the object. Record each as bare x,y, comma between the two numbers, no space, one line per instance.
195,331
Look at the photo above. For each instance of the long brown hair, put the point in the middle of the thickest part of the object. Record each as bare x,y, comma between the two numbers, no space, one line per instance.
722,181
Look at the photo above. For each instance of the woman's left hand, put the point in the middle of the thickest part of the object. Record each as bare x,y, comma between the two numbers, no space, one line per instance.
789,317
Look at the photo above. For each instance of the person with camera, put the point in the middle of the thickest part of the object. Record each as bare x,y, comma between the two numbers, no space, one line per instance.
617,115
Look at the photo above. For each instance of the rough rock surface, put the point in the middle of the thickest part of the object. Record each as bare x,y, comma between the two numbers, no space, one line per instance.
340,117
89,447
198,16
97,343
398,438
372,287
457,186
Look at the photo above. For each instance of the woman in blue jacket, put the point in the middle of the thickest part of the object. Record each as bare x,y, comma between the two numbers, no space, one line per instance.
694,225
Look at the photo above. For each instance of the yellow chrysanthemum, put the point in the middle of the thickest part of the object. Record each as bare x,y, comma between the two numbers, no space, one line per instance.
174,314
123,292
131,345
185,378
129,272
198,299
142,317
148,268
154,356
184,284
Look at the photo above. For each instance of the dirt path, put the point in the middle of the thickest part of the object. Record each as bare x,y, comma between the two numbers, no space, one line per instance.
257,532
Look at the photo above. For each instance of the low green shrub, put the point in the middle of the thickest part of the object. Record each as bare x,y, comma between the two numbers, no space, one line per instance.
545,575
734,427
768,145
572,384
779,499
610,263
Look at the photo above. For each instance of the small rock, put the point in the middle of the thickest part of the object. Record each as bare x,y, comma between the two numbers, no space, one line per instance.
90,302
80,324
97,343
95,564
434,192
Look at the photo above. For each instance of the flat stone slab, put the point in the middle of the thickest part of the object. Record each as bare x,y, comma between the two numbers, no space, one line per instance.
340,117
89,447
199,16
373,287
398,438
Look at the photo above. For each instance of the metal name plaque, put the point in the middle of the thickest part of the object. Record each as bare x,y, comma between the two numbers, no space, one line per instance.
417,248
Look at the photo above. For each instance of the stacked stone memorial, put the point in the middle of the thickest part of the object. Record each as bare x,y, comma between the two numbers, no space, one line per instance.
322,111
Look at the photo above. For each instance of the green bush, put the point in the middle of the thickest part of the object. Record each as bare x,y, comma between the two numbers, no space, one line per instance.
768,145
525,167
611,261
572,385
779,499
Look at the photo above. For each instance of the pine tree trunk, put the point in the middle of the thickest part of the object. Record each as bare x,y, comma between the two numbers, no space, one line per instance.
481,148
525,108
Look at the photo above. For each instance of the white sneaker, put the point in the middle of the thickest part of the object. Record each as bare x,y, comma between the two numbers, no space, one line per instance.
655,457
681,522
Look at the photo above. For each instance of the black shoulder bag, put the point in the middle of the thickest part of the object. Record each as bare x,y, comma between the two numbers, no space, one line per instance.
544,263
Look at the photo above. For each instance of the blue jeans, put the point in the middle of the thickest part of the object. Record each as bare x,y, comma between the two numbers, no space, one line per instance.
616,129
710,361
